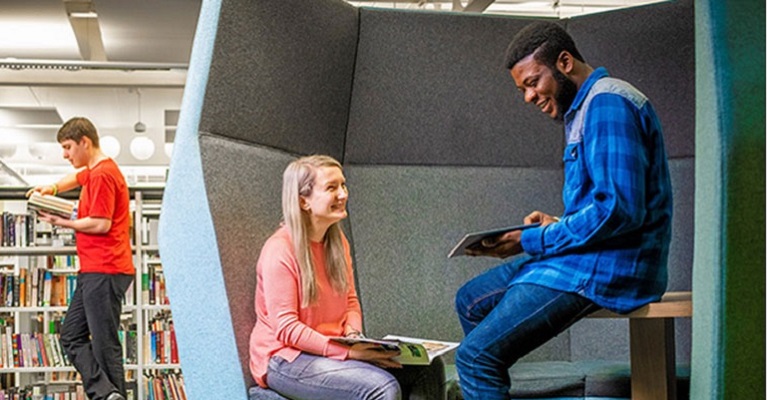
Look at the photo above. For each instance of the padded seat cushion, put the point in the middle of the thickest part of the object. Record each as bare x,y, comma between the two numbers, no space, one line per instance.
569,380
258,393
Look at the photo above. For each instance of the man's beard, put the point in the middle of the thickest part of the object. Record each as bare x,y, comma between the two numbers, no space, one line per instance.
566,91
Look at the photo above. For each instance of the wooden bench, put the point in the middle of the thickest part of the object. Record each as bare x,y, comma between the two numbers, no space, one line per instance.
653,354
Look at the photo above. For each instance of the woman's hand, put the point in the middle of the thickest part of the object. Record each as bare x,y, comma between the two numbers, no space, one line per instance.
374,354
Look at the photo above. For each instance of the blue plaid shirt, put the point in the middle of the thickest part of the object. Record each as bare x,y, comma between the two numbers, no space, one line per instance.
612,242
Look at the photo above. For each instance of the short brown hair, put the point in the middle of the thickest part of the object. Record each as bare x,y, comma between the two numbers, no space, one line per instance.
77,128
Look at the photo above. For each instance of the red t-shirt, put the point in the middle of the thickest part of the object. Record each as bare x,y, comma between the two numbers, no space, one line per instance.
104,194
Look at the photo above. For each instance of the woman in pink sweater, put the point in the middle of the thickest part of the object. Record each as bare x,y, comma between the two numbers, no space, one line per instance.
305,294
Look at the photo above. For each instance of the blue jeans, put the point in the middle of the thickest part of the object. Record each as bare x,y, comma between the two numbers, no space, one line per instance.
321,378
503,322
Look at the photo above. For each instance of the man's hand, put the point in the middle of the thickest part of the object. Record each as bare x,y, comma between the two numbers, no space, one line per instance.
49,218
43,189
510,243
502,246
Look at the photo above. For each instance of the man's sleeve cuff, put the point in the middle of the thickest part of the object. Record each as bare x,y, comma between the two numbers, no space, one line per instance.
532,240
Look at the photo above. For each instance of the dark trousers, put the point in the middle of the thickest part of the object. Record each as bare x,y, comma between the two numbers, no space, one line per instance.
89,334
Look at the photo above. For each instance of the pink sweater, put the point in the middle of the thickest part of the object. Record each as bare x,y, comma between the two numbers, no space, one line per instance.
284,328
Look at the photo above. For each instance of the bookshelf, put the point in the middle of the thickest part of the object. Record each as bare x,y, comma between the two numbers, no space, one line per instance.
149,351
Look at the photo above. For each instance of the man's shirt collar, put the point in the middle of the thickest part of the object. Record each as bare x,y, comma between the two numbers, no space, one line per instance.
598,74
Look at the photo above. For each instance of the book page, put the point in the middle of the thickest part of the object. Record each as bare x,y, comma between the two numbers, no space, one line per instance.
413,351
433,348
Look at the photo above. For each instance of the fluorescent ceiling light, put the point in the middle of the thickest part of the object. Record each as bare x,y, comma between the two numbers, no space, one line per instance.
533,8
18,35
88,14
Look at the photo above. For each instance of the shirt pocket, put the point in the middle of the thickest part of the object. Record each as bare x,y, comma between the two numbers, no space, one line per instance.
575,173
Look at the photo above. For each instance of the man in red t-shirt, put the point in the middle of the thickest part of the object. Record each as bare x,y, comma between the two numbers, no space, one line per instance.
89,333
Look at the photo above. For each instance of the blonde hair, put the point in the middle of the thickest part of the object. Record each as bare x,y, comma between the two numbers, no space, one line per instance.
297,181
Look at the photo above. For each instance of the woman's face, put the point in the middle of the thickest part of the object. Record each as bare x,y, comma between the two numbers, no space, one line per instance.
326,204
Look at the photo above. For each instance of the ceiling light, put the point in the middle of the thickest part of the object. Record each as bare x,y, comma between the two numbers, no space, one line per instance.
16,36
169,149
139,127
88,14
532,8
142,148
7,150
110,146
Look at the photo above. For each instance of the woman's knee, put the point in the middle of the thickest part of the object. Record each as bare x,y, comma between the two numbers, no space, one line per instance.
384,387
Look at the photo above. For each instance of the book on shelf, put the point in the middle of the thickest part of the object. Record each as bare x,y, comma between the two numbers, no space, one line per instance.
413,351
16,230
474,240
51,204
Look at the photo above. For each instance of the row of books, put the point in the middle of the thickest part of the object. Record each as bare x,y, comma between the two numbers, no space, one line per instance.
44,392
153,284
160,346
23,230
128,343
157,386
37,287
30,350
165,386
17,230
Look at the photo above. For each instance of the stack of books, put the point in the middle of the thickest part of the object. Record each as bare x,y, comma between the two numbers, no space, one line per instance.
51,204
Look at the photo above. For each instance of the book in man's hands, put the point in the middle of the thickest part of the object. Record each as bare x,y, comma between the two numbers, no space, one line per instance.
473,240
50,204
413,351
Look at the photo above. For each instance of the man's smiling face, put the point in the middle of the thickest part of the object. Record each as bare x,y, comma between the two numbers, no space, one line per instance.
545,87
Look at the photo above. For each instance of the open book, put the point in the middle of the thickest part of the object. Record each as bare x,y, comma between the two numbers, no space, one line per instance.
51,204
413,351
472,240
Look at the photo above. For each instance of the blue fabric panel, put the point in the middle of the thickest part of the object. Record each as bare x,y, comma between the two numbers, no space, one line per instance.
188,246
431,89
281,74
405,220
653,48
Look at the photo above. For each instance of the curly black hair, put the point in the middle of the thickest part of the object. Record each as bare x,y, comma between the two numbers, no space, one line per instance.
546,39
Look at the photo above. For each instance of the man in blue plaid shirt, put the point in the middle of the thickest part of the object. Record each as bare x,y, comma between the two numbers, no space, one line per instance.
610,247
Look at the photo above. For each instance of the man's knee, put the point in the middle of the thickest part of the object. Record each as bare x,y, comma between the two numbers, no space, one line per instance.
464,356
